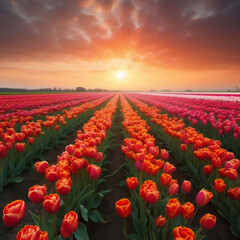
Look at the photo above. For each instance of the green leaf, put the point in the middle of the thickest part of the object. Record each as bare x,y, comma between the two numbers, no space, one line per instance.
96,216
137,224
105,191
81,233
14,180
84,212
97,200
86,197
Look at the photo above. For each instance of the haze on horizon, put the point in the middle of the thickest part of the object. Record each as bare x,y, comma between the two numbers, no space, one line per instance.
150,44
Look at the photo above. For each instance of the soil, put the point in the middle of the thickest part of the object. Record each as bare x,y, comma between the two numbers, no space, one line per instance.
114,226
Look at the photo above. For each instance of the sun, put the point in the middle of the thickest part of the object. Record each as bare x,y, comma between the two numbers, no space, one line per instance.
120,75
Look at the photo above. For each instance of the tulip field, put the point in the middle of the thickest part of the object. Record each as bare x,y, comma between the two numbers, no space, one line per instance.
123,166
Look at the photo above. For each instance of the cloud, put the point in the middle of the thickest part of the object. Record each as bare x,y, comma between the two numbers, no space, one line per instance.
173,34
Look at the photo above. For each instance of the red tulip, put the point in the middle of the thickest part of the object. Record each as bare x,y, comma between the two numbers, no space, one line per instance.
168,168
208,221
186,186
14,212
183,233
94,171
51,203
203,197
69,224
29,232
51,173
173,208
221,172
37,193
132,183
152,196
99,156
64,186
173,189
20,147
160,221
183,147
31,140
219,185
207,169
231,174
41,166
123,207
164,154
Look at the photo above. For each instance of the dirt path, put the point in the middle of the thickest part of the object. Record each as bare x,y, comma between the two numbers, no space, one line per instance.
114,226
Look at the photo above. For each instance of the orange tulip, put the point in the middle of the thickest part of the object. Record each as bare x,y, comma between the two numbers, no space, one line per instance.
160,221
165,179
183,233
37,193
132,183
123,207
173,208
69,224
43,235
219,185
29,232
63,186
51,203
187,210
14,212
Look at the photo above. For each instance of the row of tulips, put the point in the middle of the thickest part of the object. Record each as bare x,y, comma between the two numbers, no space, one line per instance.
36,137
219,122
75,179
17,103
154,203
211,166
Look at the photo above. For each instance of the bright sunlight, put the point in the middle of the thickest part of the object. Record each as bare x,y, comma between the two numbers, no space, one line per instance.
120,75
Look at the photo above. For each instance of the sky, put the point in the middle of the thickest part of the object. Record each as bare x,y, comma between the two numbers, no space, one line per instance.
158,44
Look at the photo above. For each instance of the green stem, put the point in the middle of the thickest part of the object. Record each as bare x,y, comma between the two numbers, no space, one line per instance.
40,215
149,222
65,198
193,216
54,225
125,228
166,229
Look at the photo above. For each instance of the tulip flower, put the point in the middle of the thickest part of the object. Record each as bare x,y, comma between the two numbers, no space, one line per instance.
208,221
13,213
51,173
64,186
173,189
219,185
132,183
41,166
203,197
123,207
231,174
183,233
99,156
165,179
20,147
164,154
69,224
43,235
183,147
173,208
187,210
160,221
207,169
168,168
37,193
51,203
29,232
94,171
186,186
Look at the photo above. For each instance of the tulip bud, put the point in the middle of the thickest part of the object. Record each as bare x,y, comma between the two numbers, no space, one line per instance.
208,221
40,167
186,186
37,193
51,203
132,183
29,232
160,221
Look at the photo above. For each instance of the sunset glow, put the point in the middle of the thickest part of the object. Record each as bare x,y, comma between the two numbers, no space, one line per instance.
159,44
